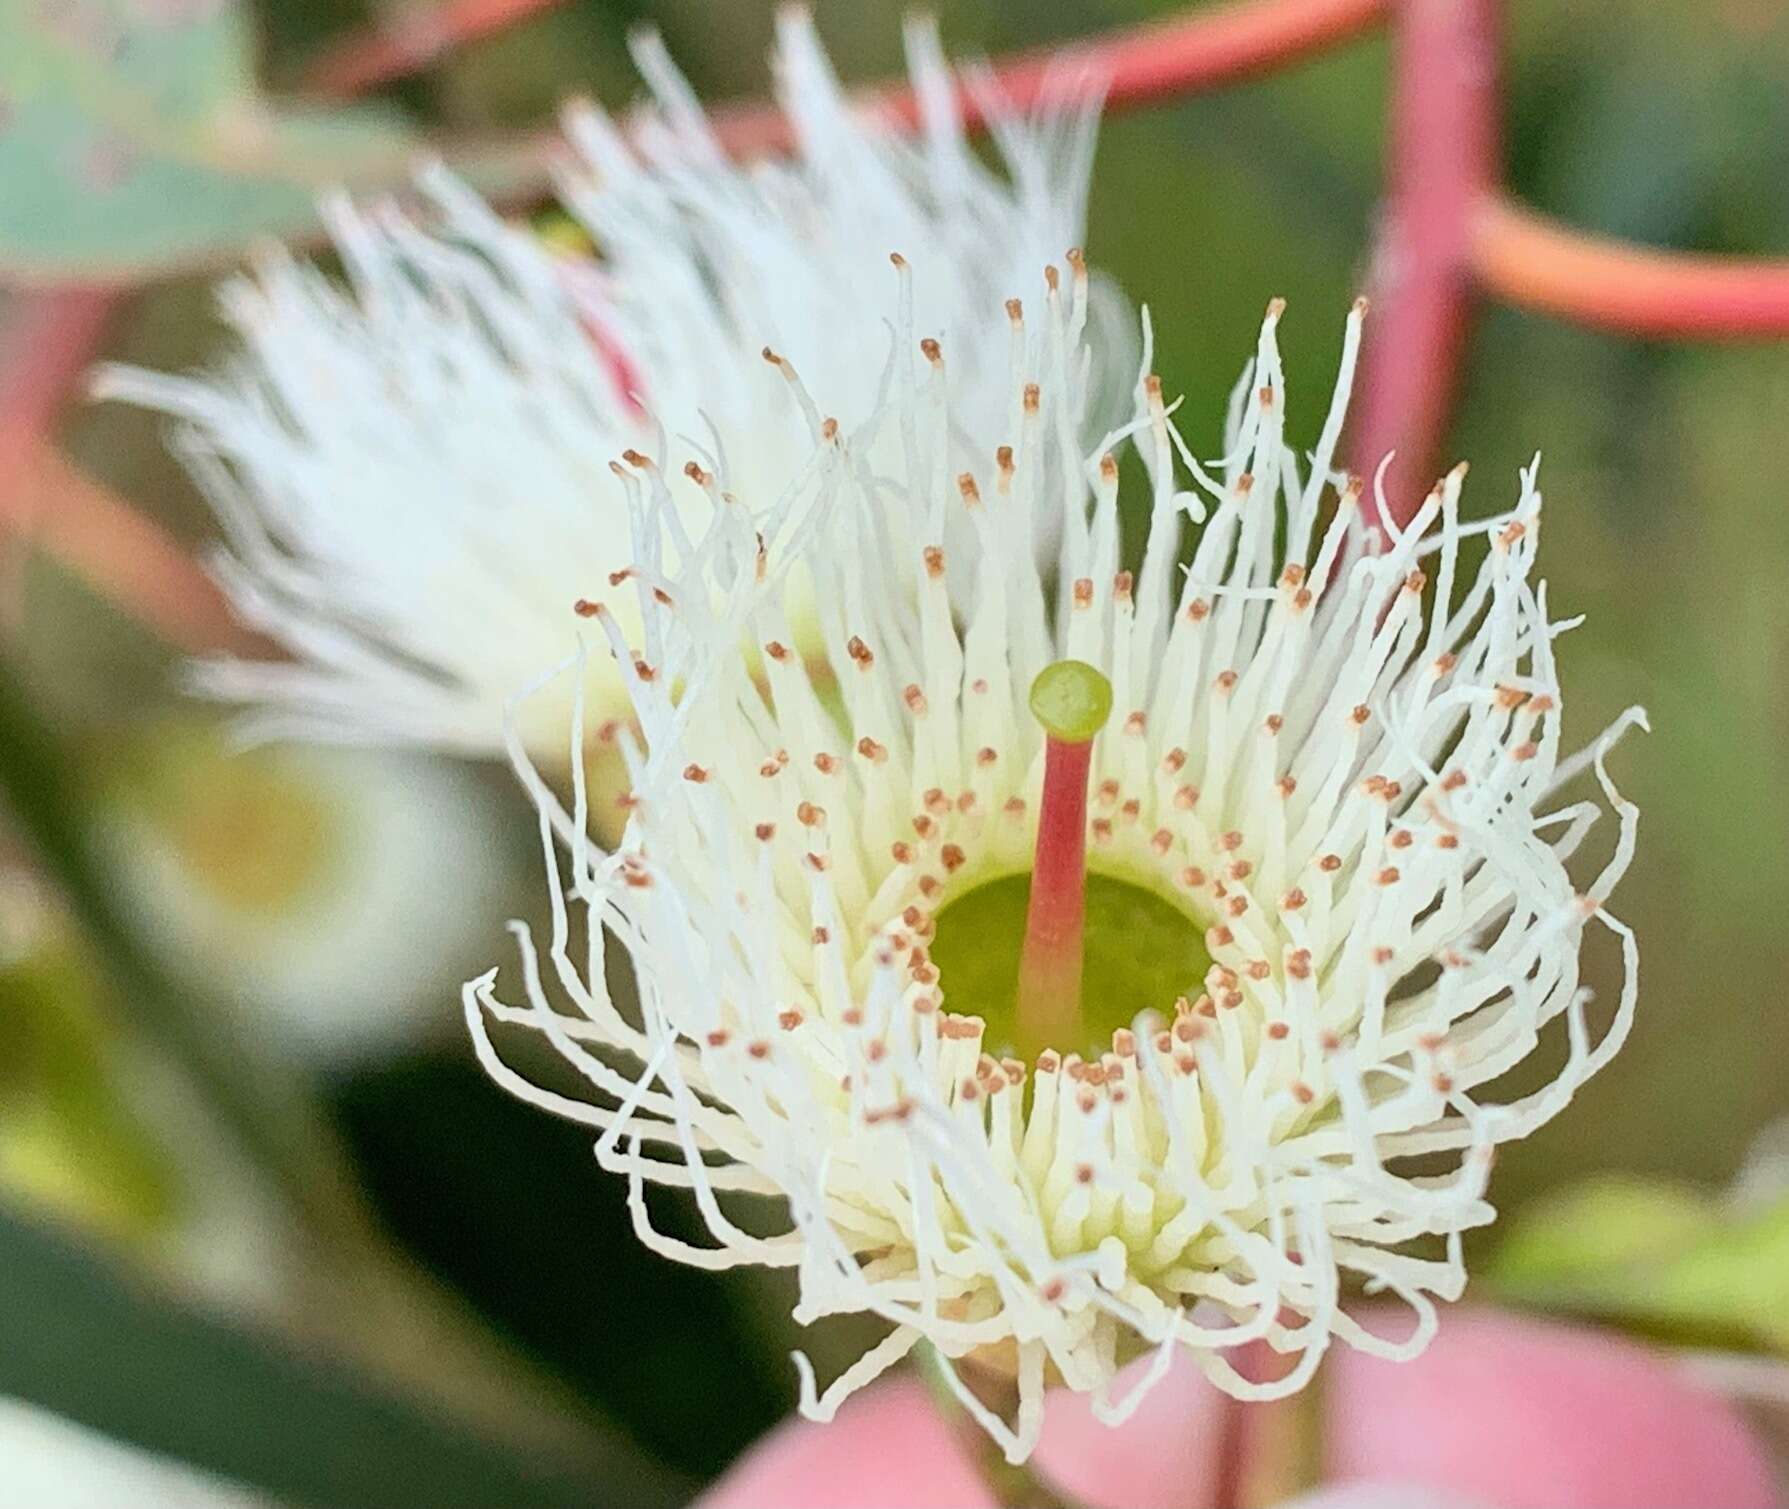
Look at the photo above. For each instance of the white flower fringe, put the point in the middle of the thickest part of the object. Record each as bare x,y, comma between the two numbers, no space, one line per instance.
1350,791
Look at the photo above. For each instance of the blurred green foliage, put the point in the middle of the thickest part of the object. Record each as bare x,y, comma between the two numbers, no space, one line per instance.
70,1139
1667,1257
181,1381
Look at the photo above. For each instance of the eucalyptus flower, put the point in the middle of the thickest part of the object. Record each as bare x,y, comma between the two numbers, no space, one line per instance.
1091,962
412,471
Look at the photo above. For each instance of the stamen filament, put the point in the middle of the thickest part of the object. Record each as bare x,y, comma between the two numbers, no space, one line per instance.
1072,700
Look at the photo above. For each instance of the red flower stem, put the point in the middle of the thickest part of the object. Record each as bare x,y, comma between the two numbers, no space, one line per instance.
1230,1463
49,504
411,41
1050,966
1442,163
1536,263
46,341
1196,49
1157,60
127,557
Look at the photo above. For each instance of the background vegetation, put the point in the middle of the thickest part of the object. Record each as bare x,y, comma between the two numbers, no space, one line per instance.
147,1255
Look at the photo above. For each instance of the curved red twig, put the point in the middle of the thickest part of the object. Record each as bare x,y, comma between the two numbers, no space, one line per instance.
1537,263
1195,49
46,339
1188,51
411,41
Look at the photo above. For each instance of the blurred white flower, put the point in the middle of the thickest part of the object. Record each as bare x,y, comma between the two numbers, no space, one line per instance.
297,883
1763,1178
52,1463
1327,899
414,474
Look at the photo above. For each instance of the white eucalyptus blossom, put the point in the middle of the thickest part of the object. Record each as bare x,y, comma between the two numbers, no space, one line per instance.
1323,818
413,472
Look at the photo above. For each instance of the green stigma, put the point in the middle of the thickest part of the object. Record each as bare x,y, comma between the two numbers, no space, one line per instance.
1072,700
1140,951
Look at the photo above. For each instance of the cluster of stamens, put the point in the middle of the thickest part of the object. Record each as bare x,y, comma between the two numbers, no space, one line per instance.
1321,783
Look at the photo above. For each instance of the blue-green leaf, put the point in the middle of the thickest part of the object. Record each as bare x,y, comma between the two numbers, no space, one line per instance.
133,141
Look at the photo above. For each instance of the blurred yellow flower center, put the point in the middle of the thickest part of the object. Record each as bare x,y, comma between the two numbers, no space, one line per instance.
257,837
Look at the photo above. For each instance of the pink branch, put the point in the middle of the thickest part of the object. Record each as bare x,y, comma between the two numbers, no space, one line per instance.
1197,49
1442,163
1157,60
1194,50
45,343
411,42
1537,263
1447,233
48,504
127,557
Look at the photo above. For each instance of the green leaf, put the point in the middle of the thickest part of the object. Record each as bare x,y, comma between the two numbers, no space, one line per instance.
271,1111
68,1138
133,141
85,1341
1664,1258
1581,1232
